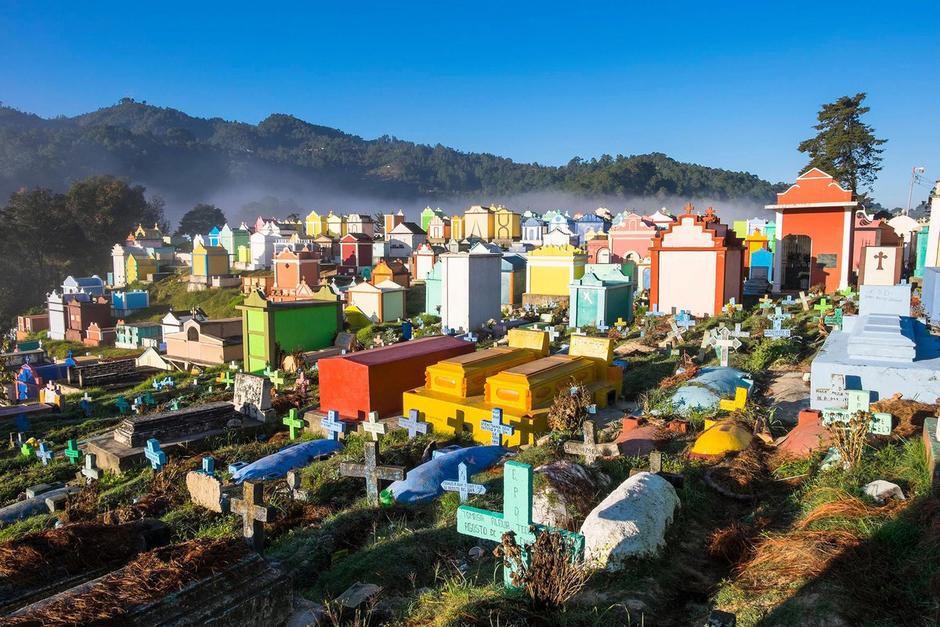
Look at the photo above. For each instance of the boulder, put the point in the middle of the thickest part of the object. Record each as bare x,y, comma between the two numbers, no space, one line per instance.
630,522
206,491
566,495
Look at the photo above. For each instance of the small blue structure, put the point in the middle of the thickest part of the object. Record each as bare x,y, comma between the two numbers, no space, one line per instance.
154,454
123,303
208,465
763,258
214,236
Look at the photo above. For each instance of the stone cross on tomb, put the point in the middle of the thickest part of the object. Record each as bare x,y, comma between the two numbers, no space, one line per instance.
44,453
804,301
589,446
293,422
723,342
835,319
859,401
462,485
72,453
413,424
684,320
822,307
373,427
122,405
90,470
766,302
332,424
293,486
777,331
208,466
155,454
735,404
85,404
372,472
253,512
496,427
516,518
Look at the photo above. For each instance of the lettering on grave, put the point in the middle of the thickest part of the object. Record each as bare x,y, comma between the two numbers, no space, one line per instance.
516,517
836,395
72,453
496,427
372,472
252,396
462,485
332,424
373,427
859,401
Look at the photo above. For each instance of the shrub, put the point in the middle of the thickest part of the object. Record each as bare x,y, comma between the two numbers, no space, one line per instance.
570,408
552,577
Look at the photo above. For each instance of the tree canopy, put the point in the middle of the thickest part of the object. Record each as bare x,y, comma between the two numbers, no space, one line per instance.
200,219
845,146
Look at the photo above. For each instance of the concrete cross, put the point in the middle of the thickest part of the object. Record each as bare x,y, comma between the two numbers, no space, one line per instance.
735,404
208,465
331,423
732,306
804,301
684,320
72,453
859,401
588,447
139,405
578,331
738,332
496,427
552,334
471,337
788,301
253,512
835,319
516,517
90,470
154,454
413,424
85,404
722,341
44,453
462,485
373,427
293,422
847,293
777,331
372,472
602,326
675,334
226,377
26,450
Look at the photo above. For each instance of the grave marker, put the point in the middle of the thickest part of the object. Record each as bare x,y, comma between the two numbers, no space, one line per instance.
766,302
684,320
44,453
859,401
496,427
293,486
122,405
253,512
372,426
372,472
777,331
85,404
462,485
413,424
822,307
589,447
208,466
90,470
835,320
804,301
154,454
516,517
294,423
332,425
735,404
72,453
722,341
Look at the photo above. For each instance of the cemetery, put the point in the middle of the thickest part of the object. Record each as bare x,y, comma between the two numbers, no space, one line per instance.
472,435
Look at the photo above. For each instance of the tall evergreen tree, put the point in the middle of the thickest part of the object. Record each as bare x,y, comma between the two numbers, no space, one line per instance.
845,146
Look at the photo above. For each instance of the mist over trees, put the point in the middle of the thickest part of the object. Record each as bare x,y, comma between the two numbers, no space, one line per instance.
191,157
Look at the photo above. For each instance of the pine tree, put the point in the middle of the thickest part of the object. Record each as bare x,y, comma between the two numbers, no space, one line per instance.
845,146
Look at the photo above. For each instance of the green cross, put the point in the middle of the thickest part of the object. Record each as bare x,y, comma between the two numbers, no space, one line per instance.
226,377
72,452
516,516
276,378
835,318
859,400
847,293
293,422
822,306
26,450
766,302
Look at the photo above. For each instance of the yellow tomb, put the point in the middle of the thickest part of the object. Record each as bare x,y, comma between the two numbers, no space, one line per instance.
522,380
550,270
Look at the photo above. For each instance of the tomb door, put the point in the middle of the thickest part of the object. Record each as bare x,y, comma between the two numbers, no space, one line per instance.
796,250
603,255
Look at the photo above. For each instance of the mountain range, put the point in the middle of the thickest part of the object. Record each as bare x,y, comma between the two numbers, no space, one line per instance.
188,159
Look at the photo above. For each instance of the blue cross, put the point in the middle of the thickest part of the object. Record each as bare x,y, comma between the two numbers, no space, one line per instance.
471,337
496,427
154,454
122,405
413,425
462,486
208,465
70,360
332,424
44,453
684,320
85,404
654,312
788,301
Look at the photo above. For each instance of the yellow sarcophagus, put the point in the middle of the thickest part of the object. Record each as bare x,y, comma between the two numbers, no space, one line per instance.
533,385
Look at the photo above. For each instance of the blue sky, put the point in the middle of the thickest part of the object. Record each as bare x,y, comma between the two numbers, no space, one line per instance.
734,85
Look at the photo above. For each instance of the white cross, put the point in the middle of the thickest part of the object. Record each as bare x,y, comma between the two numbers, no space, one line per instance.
723,341
372,426
462,486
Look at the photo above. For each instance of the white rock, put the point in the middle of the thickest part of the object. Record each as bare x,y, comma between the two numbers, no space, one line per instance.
630,522
565,497
882,491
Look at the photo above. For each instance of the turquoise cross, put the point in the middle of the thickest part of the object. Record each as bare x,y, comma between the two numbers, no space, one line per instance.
72,452
859,400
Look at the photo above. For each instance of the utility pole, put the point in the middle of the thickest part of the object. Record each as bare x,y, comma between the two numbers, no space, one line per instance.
916,172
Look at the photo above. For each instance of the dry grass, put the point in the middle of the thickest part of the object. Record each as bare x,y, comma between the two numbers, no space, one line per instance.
850,438
552,577
569,411
148,578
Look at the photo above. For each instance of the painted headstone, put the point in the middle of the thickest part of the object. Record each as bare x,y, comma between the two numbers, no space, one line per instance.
155,454
496,427
462,486
252,396
859,401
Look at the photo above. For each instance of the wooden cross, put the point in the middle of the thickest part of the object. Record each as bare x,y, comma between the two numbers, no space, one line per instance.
253,512
674,336
154,454
90,470
859,401
371,425
736,404
723,342
293,422
372,472
589,447
413,424
462,485
822,307
331,423
72,452
496,427
804,301
516,517
881,256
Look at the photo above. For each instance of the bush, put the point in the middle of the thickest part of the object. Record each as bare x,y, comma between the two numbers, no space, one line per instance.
553,575
569,410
